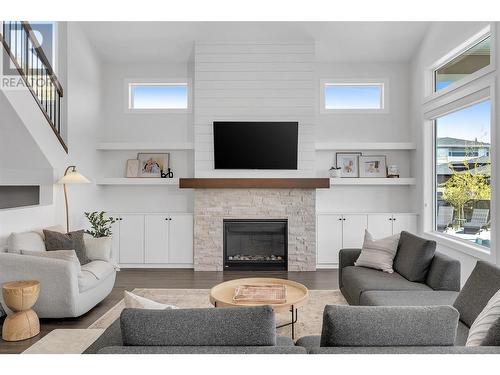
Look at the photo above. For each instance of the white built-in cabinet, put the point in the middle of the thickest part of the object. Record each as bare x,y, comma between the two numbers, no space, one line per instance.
153,240
337,231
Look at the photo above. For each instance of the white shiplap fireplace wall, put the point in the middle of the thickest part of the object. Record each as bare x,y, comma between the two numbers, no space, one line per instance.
254,82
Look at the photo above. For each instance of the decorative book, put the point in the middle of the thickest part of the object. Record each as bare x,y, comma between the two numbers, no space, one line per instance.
271,293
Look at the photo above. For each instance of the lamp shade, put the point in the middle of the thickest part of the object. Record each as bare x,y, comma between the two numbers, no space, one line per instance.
73,177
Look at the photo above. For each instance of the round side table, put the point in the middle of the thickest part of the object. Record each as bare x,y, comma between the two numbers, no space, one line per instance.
20,296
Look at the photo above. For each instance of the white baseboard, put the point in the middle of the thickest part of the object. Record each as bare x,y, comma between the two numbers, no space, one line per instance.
326,266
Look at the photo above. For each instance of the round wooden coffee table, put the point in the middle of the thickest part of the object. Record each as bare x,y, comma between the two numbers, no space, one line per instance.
20,296
222,295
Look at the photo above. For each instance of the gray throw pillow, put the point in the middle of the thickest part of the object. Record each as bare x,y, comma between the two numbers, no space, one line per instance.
482,284
414,257
493,336
68,241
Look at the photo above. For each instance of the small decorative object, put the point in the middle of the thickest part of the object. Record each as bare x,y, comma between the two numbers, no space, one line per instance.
170,174
132,168
392,171
348,163
335,172
373,166
101,226
151,165
163,174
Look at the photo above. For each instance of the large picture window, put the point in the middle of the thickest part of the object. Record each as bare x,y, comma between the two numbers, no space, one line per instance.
463,173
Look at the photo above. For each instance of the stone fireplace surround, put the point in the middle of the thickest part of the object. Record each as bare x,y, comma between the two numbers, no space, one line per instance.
212,206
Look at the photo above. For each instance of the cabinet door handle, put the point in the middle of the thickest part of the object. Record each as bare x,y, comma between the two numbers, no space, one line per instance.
170,218
340,219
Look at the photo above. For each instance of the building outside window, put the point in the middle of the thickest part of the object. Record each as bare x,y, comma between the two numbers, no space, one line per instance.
463,173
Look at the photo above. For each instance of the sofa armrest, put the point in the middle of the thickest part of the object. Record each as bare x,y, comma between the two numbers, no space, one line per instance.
444,273
389,326
347,257
58,278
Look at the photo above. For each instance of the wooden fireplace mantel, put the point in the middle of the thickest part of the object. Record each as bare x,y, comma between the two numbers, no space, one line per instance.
255,183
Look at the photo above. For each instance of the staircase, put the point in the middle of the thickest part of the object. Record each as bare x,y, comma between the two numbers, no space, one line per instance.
33,67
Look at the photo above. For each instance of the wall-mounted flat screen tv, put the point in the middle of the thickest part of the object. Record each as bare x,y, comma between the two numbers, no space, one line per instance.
255,145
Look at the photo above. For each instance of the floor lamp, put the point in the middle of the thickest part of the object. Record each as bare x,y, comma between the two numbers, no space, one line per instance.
71,176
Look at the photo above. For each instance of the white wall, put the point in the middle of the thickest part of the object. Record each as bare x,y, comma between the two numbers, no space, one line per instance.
118,125
442,37
393,126
254,82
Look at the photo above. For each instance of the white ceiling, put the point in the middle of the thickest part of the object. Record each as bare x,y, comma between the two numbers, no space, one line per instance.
156,42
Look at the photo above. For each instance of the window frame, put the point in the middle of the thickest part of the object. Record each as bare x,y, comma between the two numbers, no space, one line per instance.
474,93
129,82
383,82
430,79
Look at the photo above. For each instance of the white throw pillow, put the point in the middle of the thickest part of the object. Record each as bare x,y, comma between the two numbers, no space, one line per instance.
137,302
378,254
98,248
484,321
67,255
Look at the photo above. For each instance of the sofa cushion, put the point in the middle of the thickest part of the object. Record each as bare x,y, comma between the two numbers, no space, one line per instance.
414,257
86,281
29,241
378,253
408,298
241,326
99,269
493,336
92,273
356,280
68,241
481,285
389,325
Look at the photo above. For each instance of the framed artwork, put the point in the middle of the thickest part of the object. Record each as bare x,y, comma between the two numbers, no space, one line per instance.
132,168
373,166
151,164
348,164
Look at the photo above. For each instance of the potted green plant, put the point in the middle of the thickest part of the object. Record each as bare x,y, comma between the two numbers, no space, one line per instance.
98,241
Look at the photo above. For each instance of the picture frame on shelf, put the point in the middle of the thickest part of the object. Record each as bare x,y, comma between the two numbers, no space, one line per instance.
151,164
132,169
348,162
373,166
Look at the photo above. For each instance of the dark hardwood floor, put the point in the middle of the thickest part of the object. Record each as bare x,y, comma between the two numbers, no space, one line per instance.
129,279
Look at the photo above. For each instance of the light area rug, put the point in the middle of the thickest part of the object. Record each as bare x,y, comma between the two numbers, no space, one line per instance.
310,318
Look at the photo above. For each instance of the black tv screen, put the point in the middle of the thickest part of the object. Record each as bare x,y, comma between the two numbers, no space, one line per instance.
255,145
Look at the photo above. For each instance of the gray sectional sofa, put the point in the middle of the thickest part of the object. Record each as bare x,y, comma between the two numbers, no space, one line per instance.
419,309
389,311
246,330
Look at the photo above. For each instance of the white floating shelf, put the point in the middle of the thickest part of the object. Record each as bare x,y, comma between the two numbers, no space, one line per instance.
145,146
354,146
137,181
372,181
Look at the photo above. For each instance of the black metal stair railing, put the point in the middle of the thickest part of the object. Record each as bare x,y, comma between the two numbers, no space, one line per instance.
32,64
